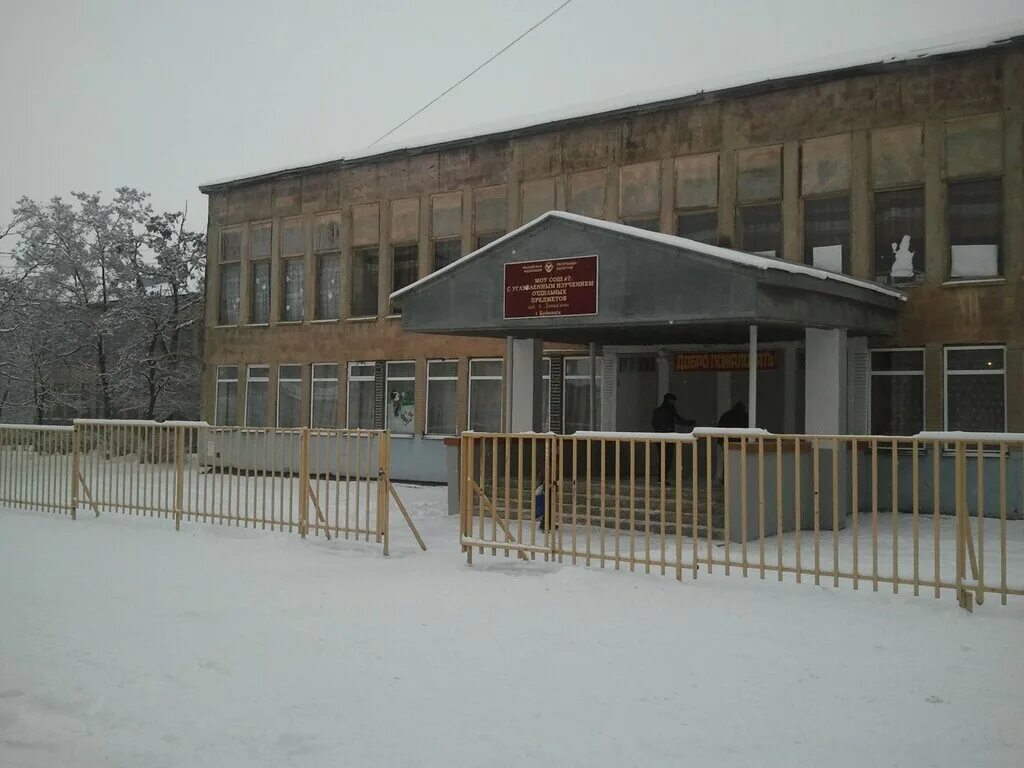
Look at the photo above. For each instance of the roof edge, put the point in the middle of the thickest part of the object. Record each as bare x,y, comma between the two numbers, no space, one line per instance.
744,90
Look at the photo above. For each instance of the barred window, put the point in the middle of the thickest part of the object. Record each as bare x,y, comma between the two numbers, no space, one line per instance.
897,391
976,389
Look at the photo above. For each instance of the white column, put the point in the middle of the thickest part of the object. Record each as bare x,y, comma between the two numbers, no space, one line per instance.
752,379
789,382
526,385
825,382
593,388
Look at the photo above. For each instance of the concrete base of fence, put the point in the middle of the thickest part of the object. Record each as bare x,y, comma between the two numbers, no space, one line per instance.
745,515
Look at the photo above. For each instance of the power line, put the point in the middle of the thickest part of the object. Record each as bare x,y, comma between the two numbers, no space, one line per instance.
464,79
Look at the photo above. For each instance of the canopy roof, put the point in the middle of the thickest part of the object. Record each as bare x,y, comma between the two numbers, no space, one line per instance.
650,288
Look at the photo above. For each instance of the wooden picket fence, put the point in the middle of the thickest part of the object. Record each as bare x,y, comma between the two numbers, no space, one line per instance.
331,483
931,514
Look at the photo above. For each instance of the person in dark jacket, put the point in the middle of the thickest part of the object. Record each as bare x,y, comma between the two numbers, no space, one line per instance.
665,419
735,418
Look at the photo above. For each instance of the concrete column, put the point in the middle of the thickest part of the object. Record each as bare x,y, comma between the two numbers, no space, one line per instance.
792,209
789,385
752,379
525,385
825,378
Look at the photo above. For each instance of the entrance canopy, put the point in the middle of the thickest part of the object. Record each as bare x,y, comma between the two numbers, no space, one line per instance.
572,279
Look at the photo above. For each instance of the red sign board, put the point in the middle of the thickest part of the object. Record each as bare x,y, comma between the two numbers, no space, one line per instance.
725,361
551,288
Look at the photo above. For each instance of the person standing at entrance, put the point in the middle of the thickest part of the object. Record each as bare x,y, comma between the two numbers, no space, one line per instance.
735,418
665,419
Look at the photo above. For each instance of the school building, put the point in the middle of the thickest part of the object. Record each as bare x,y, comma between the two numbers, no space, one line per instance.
843,250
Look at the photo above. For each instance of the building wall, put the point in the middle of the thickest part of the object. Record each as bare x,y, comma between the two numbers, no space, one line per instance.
902,126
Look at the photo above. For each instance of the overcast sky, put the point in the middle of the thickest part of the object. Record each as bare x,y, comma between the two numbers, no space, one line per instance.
165,95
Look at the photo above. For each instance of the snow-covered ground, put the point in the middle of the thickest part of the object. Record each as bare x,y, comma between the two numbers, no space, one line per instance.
125,643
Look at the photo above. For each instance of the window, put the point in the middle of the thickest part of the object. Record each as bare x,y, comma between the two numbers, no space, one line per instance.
827,233
488,238
328,282
405,266
442,380
650,223
361,388
294,300
259,302
364,282
899,235
401,398
225,411
257,388
761,229
230,276
289,396
323,389
446,252
576,394
976,389
897,391
485,384
975,221
701,226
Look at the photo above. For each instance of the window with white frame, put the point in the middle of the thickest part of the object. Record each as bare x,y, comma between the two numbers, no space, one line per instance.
576,394
225,411
257,390
485,384
323,398
442,384
401,397
897,391
360,395
975,388
289,396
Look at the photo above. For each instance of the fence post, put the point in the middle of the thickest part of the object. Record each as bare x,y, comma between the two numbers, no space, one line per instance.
303,482
75,447
179,475
963,596
383,480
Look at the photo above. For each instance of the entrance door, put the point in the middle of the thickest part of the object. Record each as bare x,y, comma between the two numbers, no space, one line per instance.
637,393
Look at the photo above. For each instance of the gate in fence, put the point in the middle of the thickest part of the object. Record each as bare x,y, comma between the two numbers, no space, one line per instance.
931,513
334,483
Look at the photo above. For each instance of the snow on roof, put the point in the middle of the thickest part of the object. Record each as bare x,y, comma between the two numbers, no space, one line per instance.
919,49
716,251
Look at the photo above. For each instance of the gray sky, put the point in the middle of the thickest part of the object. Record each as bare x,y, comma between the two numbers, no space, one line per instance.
164,96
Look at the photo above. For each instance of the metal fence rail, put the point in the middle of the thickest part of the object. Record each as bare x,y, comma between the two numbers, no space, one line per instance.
929,514
334,483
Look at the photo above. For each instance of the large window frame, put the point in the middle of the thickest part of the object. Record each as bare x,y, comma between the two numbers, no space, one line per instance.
477,362
443,244
446,380
360,372
225,377
746,241
947,373
365,283
229,307
257,373
826,231
995,240
393,373
689,215
571,380
320,374
893,250
410,271
878,372
293,270
286,374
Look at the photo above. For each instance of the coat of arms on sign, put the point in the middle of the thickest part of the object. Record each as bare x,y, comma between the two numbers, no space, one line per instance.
548,267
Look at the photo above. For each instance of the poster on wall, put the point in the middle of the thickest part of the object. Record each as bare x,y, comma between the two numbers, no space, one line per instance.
564,287
401,410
